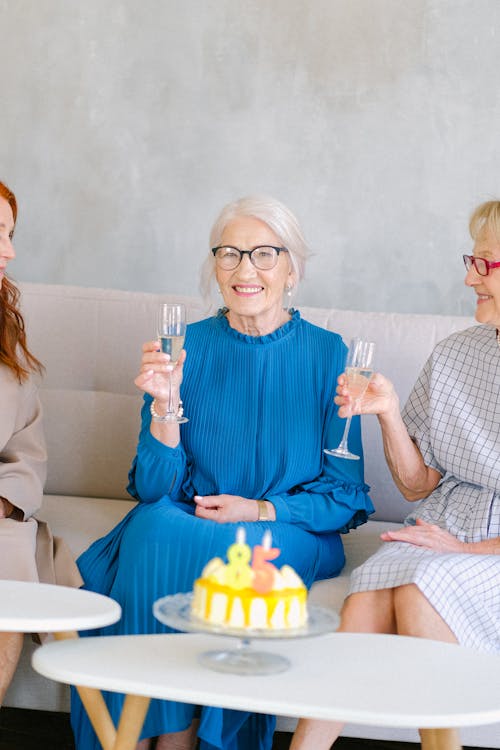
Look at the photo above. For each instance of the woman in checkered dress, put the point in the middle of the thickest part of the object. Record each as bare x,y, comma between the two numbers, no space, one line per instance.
439,576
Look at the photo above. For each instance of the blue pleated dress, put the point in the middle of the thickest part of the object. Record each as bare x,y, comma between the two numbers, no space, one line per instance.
260,413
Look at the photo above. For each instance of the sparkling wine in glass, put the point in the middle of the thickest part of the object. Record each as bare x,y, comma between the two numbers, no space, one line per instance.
171,332
358,371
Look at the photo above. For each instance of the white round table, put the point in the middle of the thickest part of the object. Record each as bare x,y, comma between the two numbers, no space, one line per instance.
368,679
27,607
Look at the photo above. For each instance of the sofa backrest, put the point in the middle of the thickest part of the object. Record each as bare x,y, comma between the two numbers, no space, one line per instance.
90,343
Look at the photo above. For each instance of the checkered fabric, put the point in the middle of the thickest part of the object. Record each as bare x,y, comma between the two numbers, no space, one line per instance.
453,414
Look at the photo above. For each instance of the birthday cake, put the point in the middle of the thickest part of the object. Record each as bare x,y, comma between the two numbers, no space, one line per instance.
249,591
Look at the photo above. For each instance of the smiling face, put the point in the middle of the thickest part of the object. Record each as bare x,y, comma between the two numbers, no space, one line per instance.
6,230
487,288
254,297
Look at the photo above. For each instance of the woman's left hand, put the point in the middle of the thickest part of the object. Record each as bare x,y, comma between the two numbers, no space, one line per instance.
226,508
426,535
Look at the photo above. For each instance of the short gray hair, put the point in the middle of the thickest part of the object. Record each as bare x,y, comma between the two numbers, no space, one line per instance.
277,217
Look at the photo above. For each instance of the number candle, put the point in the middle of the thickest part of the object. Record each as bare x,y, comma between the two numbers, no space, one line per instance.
238,571
264,570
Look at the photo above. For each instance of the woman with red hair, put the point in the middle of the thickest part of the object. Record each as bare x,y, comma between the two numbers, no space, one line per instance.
28,552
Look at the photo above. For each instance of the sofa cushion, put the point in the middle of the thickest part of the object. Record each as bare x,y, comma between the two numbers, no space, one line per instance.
358,546
82,520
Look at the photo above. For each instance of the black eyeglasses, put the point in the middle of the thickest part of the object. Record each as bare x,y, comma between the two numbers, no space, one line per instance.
481,265
263,257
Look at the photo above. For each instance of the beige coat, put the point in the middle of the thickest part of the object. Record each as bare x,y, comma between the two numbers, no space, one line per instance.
28,551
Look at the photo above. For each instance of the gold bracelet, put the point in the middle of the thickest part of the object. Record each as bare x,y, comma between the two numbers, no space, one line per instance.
263,511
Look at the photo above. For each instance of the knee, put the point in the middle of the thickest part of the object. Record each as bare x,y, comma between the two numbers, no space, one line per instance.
153,523
411,610
409,600
407,596
368,612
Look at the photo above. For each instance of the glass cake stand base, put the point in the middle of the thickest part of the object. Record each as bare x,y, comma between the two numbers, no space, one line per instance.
244,660
175,611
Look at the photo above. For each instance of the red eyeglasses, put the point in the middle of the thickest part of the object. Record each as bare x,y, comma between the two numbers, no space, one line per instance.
481,265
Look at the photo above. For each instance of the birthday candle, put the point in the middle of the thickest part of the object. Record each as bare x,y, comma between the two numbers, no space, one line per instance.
238,571
264,570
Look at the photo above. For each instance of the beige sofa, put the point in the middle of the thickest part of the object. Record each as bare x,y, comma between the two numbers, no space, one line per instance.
90,342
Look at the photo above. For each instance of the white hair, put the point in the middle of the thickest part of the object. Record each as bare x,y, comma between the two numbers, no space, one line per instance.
277,217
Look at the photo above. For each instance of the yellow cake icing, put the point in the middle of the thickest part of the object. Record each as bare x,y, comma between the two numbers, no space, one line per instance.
231,595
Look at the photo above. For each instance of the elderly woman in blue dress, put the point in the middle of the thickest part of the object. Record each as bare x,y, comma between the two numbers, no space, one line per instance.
439,576
258,385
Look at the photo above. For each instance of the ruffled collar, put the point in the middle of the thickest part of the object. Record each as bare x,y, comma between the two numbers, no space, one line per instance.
277,335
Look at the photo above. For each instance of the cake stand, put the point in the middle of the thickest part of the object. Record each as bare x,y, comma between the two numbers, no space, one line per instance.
175,611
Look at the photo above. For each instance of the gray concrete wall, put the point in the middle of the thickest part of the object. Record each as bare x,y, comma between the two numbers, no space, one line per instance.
126,125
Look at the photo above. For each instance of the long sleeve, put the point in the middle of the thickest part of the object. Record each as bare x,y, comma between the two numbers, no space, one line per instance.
157,470
23,456
337,500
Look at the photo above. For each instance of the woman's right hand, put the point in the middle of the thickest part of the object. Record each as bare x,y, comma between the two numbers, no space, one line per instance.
379,398
154,373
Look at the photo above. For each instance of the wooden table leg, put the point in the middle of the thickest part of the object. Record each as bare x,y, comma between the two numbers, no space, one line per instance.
95,706
66,635
98,714
440,739
134,712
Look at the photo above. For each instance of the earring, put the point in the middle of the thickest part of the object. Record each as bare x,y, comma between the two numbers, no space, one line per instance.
288,290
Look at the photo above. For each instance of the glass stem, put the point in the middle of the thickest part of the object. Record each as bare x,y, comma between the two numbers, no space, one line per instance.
343,442
170,410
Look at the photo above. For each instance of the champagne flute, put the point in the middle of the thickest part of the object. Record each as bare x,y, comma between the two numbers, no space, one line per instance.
358,371
171,333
